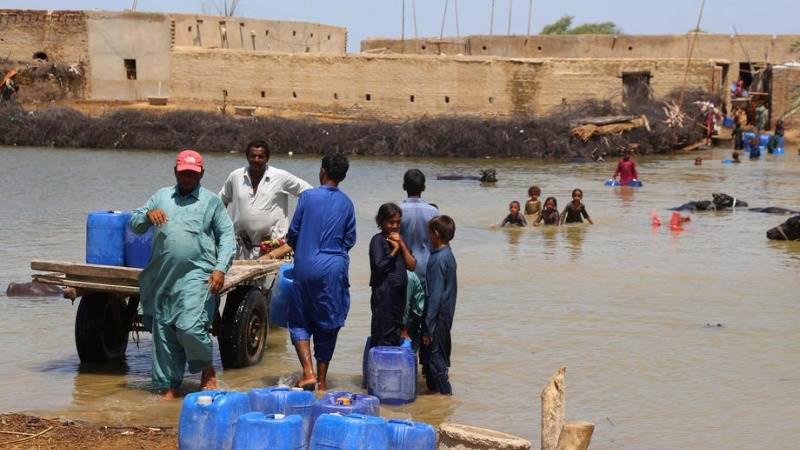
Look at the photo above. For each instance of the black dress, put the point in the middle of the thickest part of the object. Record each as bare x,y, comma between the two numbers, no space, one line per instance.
388,280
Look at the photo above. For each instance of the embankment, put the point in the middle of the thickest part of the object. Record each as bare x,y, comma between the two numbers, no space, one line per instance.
545,137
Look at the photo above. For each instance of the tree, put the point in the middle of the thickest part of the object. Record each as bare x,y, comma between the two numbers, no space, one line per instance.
564,26
225,8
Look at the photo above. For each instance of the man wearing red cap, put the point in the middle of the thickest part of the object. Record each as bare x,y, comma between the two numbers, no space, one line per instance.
193,247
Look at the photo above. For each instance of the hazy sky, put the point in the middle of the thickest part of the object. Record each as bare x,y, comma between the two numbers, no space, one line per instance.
383,17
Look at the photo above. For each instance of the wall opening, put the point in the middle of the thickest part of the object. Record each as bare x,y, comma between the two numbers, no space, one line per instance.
411,98
263,94
294,94
630,47
491,99
312,35
294,33
130,68
266,33
484,48
190,28
335,96
635,87
40,55
447,99
369,97
329,37
424,47
539,48
308,49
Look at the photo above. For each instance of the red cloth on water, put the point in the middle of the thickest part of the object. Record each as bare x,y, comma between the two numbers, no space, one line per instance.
626,169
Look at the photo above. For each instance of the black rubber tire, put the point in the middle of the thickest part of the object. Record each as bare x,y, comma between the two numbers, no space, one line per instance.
101,328
243,330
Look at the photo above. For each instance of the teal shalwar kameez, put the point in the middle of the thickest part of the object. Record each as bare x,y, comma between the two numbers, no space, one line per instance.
176,304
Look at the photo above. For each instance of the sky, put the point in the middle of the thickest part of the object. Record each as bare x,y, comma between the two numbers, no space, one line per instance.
383,18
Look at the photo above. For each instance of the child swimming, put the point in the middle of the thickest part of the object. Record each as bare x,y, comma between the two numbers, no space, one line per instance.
514,218
575,209
549,214
533,206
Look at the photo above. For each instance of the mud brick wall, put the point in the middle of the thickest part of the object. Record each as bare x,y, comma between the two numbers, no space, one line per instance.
60,35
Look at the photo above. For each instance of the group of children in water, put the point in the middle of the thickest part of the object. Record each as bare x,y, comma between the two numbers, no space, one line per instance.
547,213
413,281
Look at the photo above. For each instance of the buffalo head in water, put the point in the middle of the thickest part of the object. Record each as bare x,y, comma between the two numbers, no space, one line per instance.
489,176
32,289
787,231
720,202
723,201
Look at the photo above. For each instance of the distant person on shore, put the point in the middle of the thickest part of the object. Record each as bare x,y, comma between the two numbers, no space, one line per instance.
322,232
9,86
440,306
626,170
575,209
193,248
416,215
389,257
761,117
257,198
533,206
514,217
549,214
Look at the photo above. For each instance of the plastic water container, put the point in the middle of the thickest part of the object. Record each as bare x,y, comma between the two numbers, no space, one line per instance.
349,432
105,237
284,400
282,293
138,247
763,140
612,183
392,375
259,431
635,183
207,419
408,435
344,402
779,149
746,138
727,122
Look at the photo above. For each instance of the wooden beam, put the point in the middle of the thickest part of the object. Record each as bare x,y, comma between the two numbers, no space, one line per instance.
554,409
100,287
576,435
87,270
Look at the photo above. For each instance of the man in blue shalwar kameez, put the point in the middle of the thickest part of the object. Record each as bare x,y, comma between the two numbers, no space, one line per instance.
193,247
322,232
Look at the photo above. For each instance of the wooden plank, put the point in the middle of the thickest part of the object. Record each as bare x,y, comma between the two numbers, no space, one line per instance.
240,274
87,270
100,287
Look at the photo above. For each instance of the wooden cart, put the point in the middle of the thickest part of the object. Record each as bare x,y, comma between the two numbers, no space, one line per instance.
109,304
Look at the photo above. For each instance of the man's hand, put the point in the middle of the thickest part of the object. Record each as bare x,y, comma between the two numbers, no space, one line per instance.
426,340
215,281
157,217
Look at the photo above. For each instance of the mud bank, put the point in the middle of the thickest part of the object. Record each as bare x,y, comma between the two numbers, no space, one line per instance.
18,431
546,137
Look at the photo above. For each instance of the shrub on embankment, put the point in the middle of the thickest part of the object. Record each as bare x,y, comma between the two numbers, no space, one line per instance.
546,137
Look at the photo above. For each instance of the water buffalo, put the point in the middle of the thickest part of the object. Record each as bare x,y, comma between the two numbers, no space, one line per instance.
773,210
33,289
719,203
487,176
787,231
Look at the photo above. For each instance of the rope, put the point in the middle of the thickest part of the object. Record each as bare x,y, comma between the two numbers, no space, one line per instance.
444,16
691,51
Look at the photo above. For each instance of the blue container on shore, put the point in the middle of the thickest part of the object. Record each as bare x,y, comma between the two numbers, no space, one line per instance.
408,435
349,432
282,294
344,402
284,400
207,419
727,122
392,374
138,247
105,237
259,431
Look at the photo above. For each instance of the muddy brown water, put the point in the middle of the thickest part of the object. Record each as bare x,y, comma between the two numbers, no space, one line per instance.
624,307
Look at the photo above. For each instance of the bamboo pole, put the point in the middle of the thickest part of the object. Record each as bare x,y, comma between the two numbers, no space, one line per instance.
510,7
414,12
491,19
403,27
444,17
458,30
554,409
530,16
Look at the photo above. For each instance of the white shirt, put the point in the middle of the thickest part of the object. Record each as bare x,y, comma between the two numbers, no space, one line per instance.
263,215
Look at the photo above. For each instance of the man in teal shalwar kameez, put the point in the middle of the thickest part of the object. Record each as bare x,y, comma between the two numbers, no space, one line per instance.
193,247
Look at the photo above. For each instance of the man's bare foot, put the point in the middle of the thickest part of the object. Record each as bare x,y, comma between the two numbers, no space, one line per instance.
322,386
170,394
208,379
308,383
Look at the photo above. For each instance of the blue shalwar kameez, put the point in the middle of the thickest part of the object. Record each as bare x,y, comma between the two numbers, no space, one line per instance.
322,232
440,307
176,304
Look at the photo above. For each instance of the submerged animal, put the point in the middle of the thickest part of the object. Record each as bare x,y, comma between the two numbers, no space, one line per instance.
787,231
720,202
33,289
487,176
774,210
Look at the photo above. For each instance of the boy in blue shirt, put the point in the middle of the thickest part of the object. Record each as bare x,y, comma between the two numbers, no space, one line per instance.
440,306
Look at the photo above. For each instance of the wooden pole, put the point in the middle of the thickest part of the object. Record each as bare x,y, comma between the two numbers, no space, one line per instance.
458,30
554,409
530,16
576,435
403,27
414,11
691,50
491,20
510,7
444,17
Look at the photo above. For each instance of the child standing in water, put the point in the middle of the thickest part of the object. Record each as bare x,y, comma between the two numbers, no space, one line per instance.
415,307
389,258
533,206
575,209
440,306
549,214
514,218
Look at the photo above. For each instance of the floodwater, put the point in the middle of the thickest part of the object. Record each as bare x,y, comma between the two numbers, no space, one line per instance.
622,306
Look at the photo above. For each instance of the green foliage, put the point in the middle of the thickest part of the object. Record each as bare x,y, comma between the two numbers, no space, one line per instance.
564,26
796,47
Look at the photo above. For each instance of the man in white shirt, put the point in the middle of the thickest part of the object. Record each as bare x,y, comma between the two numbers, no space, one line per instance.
257,198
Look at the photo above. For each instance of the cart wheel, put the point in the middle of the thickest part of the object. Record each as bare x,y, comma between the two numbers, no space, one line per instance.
101,331
243,333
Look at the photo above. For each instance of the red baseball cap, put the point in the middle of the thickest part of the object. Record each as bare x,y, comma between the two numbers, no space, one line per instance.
189,160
